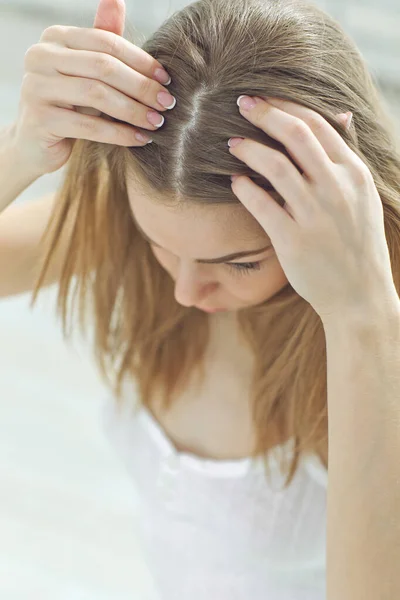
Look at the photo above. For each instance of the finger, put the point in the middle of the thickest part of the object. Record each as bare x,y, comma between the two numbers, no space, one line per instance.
330,140
95,40
106,70
64,123
299,140
97,66
275,220
79,92
279,171
110,16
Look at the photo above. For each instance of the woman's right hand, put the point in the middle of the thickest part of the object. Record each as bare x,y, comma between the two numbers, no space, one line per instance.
73,75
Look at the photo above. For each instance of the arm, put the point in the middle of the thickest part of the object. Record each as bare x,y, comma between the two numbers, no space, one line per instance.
363,513
15,176
22,225
21,230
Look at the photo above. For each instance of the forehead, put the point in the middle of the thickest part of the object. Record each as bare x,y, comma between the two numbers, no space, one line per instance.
194,221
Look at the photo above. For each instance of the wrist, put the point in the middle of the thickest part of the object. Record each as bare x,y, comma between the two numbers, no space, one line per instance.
15,174
383,317
17,160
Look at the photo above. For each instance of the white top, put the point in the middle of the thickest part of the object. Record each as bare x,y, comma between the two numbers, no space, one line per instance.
216,529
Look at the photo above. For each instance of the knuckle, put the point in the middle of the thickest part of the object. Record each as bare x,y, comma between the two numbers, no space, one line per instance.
257,201
316,122
133,109
298,130
53,32
278,164
87,125
35,55
263,112
31,56
108,42
29,85
104,65
120,133
362,176
145,86
94,90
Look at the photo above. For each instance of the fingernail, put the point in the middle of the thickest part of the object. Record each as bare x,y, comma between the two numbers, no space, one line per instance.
349,119
234,141
345,119
162,76
166,100
143,138
246,102
155,118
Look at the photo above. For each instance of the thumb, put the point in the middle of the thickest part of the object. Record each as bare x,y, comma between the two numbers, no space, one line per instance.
110,16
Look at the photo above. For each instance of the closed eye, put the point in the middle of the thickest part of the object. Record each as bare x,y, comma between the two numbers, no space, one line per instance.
245,268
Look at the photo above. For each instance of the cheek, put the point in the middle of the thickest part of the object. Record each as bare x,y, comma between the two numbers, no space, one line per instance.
166,260
275,279
261,285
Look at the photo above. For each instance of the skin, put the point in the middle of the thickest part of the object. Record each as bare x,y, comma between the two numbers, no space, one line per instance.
195,232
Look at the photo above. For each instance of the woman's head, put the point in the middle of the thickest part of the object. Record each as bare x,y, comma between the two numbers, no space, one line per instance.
178,190
214,51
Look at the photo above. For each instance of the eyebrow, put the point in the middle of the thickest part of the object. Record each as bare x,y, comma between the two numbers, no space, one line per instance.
209,261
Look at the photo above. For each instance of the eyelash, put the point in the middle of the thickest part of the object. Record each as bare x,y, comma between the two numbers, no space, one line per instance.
244,268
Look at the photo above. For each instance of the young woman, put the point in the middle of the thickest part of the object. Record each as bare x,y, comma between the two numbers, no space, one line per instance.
212,342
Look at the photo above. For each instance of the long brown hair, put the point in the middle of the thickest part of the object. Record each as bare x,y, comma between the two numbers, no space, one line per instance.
216,50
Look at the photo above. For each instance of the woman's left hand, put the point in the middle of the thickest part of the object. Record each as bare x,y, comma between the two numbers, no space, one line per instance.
329,237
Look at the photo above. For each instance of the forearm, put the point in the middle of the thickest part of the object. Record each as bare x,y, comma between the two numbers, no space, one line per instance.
15,176
363,510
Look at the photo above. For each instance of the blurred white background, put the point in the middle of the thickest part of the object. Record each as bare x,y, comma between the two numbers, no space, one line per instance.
67,505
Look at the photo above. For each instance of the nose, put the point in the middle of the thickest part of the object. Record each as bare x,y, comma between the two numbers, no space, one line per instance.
192,286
